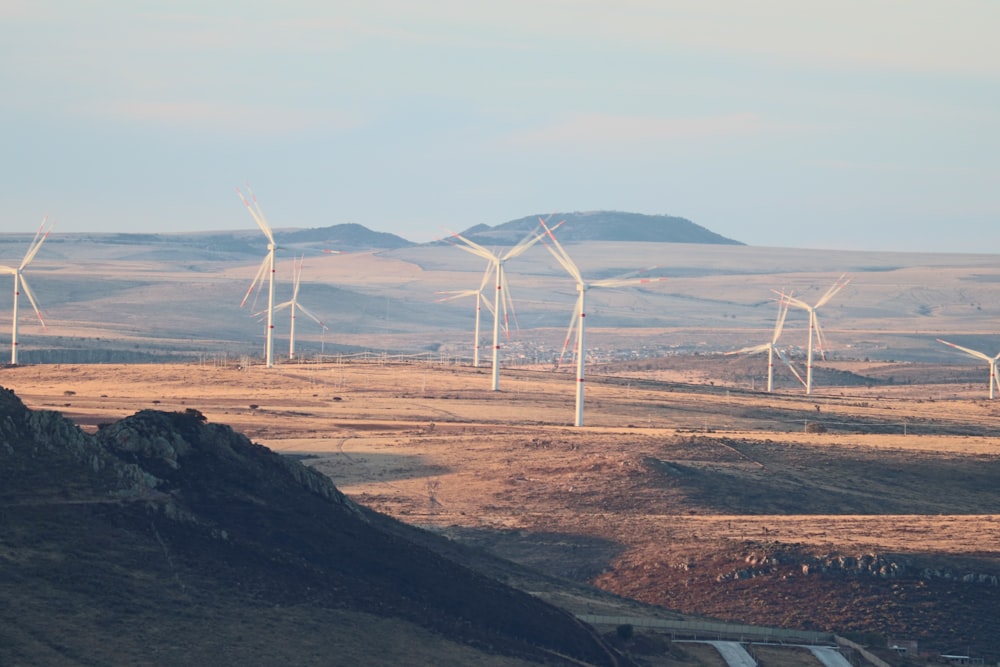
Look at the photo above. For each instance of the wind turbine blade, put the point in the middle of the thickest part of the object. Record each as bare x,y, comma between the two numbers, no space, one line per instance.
791,366
820,340
258,280
486,275
31,298
503,304
573,323
256,214
561,255
974,353
779,324
277,307
455,294
473,247
296,278
798,303
624,282
261,220
486,302
531,239
509,302
36,243
566,263
636,272
840,284
305,311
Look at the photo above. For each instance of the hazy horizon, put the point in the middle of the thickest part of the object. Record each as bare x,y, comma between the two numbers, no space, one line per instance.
856,126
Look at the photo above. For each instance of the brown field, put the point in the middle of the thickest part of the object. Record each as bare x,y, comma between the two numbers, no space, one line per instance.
669,489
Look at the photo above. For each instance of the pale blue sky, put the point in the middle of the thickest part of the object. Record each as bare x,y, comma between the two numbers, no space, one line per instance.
856,124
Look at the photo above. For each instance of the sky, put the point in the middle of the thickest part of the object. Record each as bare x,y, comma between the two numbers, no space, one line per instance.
847,124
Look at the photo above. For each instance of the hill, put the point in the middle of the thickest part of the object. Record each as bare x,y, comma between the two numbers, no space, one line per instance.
163,539
166,297
602,226
804,512
348,236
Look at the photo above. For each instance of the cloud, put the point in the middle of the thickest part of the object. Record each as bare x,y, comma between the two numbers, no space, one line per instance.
625,131
220,116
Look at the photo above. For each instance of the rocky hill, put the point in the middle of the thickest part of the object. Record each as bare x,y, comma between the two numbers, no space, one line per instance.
601,226
163,539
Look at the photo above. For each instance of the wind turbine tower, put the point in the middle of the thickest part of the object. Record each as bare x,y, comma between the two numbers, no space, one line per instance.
772,347
992,361
580,311
20,282
266,268
814,329
480,302
502,296
294,305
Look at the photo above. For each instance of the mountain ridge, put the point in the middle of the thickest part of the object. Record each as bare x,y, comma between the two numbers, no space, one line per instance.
578,227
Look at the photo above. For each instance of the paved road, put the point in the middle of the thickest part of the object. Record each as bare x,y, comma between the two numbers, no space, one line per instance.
734,654
830,657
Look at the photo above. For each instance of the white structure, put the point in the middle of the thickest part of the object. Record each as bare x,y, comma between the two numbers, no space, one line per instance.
20,282
502,298
266,268
580,311
294,305
481,301
772,348
992,361
814,329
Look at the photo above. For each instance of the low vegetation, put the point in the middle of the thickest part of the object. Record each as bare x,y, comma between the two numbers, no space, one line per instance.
677,497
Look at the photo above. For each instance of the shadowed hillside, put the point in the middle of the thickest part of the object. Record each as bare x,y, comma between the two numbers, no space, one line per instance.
163,539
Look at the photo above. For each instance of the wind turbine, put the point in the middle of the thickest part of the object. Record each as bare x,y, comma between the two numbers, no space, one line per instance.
772,347
266,268
580,312
20,282
814,327
992,361
294,304
502,296
481,301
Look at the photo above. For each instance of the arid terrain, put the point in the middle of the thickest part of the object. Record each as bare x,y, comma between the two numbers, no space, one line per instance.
870,508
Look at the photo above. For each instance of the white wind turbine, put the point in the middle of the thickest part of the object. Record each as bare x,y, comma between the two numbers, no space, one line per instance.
266,268
814,327
580,312
481,301
992,361
20,282
772,348
502,297
294,305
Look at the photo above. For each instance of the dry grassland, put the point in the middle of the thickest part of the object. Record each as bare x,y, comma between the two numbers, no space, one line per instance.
665,477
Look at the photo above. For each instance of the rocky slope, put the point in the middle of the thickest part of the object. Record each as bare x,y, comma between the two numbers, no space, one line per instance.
164,539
